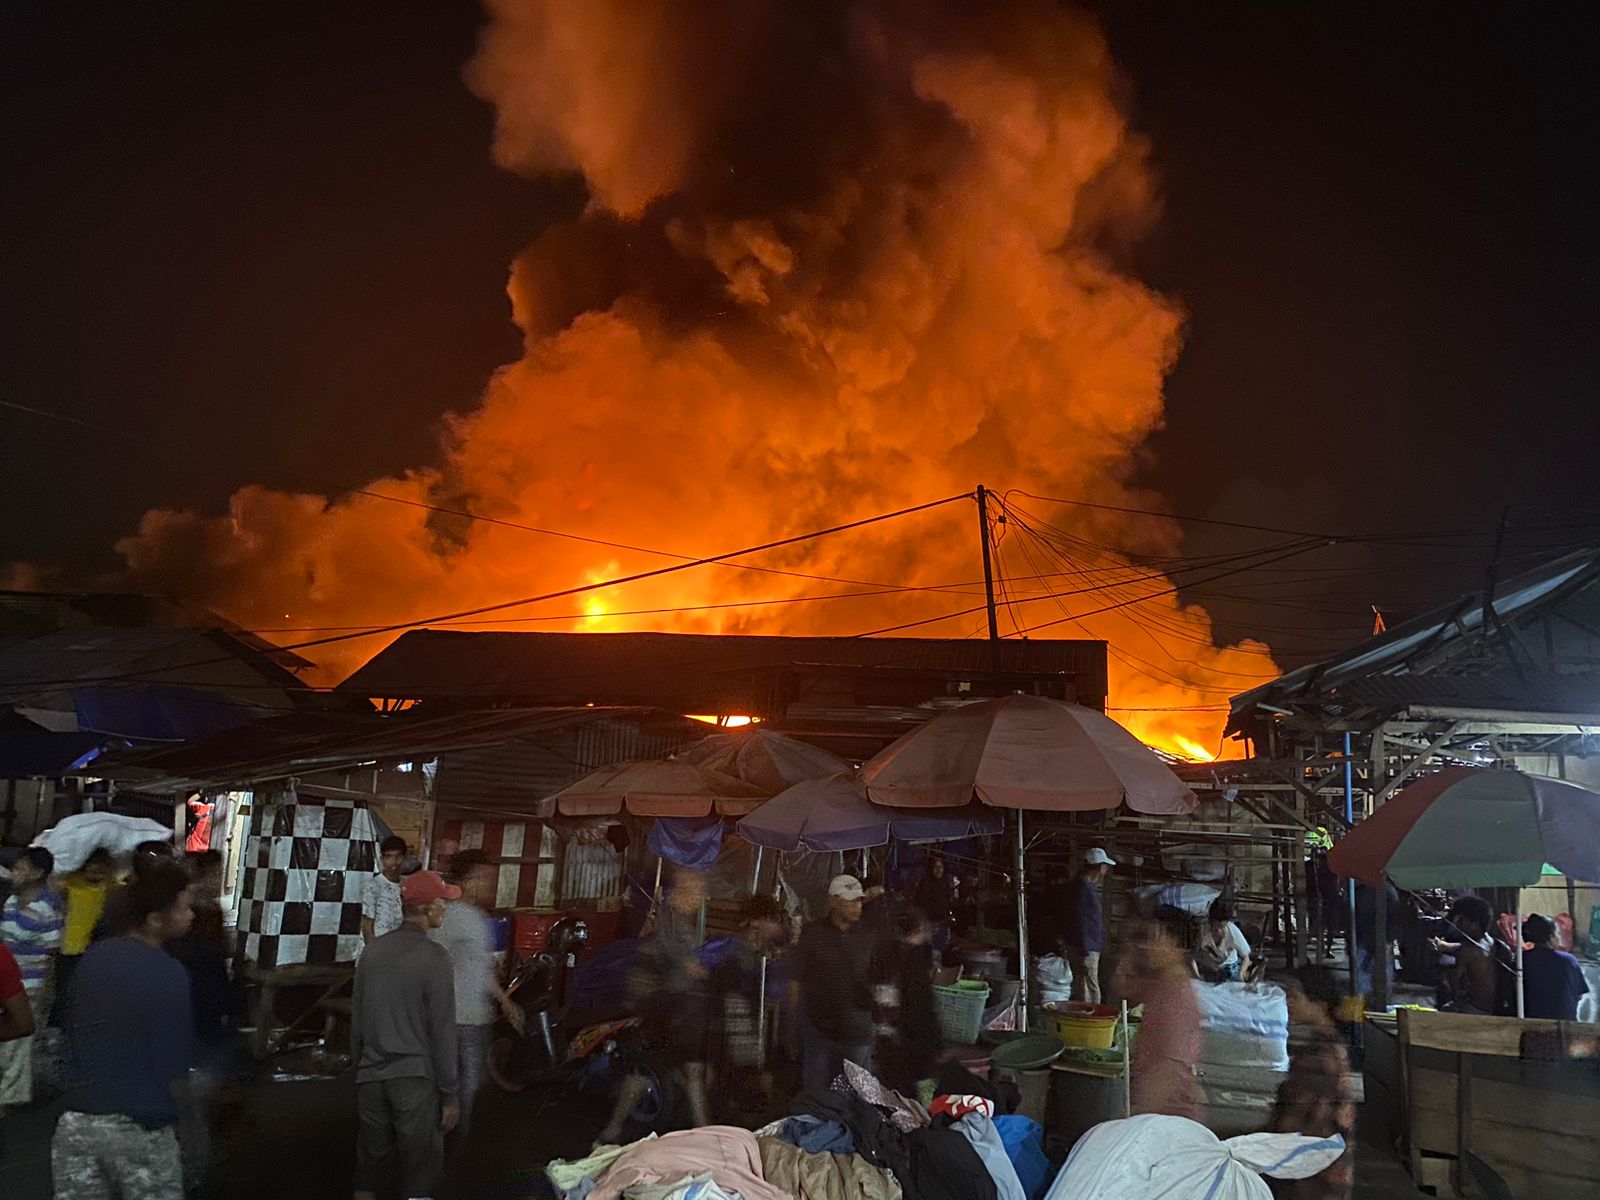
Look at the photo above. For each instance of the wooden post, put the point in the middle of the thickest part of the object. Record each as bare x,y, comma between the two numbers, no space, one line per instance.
1127,1065
1463,1118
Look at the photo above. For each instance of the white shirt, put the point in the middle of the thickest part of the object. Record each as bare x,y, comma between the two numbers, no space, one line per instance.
1222,949
380,901
466,934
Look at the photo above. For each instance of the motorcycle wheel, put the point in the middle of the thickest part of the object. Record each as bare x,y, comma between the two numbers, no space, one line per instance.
501,1065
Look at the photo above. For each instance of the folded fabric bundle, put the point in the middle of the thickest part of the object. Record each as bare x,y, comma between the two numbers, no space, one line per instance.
957,1107
1023,1138
694,1187
812,1134
729,1155
978,1129
956,1080
904,1114
879,1142
944,1166
574,1180
824,1176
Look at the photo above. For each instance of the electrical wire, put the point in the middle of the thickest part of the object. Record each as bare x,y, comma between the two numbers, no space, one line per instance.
399,626
203,459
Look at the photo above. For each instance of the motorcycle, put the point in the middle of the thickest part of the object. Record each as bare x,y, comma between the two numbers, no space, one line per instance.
544,1048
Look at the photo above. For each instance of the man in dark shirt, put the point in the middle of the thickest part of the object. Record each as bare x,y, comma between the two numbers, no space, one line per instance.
936,897
832,972
403,1041
129,1034
118,914
1552,980
1085,933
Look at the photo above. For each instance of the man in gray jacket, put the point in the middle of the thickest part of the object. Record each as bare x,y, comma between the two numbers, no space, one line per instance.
403,1041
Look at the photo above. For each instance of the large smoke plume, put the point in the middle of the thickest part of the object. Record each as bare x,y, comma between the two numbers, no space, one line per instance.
838,257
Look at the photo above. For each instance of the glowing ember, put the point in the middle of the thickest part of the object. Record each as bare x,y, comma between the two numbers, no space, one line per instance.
1193,751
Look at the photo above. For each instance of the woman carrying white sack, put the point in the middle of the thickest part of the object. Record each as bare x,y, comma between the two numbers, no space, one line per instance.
1155,1157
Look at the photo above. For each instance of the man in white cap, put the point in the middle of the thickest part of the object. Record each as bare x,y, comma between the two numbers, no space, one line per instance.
1086,925
831,969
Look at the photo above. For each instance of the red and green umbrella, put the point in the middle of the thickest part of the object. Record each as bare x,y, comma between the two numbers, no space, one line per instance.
1470,827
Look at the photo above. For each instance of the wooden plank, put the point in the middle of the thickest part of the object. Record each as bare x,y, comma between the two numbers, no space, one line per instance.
1498,1142
1432,1173
1464,1139
1463,1033
1513,1101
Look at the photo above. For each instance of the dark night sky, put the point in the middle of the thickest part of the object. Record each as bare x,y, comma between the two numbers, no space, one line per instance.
275,231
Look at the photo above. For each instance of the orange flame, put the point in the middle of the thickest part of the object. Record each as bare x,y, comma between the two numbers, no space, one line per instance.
835,259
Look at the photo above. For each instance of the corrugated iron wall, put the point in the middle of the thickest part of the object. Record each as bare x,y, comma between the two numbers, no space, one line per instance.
522,774
590,872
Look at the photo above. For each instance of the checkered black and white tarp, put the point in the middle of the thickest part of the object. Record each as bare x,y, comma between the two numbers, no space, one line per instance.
309,860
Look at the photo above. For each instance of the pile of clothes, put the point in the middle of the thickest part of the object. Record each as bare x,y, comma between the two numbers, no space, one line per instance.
857,1141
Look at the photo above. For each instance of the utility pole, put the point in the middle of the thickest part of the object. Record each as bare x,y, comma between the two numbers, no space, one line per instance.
1019,863
988,588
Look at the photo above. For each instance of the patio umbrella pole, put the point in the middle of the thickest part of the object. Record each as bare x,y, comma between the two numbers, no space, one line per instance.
1022,928
1517,933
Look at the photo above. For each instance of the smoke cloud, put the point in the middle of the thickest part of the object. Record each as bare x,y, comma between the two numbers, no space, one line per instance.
838,258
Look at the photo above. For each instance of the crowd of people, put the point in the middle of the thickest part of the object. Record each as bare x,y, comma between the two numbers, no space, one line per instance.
115,992
123,1009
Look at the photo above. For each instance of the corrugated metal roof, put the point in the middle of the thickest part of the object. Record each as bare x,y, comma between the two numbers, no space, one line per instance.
53,670
1420,650
1578,695
678,671
304,743
522,772
60,612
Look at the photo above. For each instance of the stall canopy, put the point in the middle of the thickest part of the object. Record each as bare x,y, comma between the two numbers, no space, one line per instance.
657,788
1469,827
1028,753
834,814
772,761
1025,752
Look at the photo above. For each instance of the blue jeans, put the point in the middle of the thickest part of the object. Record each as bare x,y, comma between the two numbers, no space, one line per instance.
472,1049
822,1058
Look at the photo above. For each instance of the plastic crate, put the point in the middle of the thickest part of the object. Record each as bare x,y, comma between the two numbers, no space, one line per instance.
959,1009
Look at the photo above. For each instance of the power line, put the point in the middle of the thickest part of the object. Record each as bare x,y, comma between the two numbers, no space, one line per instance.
626,612
206,458
399,626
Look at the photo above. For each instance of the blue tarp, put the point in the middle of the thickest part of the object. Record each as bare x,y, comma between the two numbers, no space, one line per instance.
1023,1139
45,754
688,843
160,714
834,814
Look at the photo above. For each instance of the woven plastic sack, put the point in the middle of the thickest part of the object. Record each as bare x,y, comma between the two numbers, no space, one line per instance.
1052,979
1243,1024
72,839
1155,1157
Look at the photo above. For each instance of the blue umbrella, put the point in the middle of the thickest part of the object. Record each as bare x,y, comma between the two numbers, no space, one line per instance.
833,813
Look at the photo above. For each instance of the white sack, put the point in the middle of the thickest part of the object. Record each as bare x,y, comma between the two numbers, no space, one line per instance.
72,839
1243,1024
1192,898
1052,979
1154,1157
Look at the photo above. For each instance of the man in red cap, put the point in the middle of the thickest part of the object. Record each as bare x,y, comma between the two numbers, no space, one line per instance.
403,1041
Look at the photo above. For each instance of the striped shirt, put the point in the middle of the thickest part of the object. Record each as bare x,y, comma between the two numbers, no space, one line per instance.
32,932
